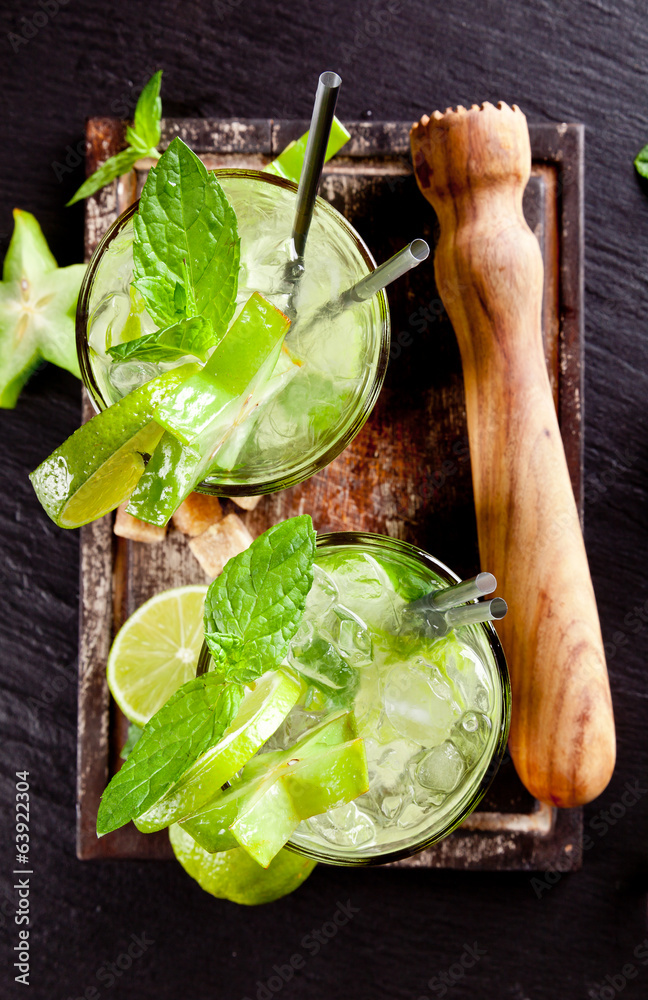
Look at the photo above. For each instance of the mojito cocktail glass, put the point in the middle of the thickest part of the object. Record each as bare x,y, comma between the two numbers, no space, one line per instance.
434,713
317,400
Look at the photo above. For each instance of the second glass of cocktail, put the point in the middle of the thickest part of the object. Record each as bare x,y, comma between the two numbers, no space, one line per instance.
432,709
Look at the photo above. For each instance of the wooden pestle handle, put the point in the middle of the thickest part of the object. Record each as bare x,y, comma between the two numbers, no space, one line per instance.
473,166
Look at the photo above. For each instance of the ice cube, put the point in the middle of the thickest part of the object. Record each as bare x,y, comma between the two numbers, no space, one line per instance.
414,709
303,635
352,636
319,662
465,670
481,700
361,578
391,806
440,769
346,826
322,595
297,722
470,735
412,815
128,375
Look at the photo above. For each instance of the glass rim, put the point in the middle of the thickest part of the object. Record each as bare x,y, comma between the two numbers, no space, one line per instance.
335,539
372,390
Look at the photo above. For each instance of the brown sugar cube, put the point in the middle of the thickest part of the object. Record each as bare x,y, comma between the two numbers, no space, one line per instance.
247,503
219,543
131,527
197,513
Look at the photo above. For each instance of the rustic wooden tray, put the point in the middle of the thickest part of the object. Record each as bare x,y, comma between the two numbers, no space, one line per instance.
407,474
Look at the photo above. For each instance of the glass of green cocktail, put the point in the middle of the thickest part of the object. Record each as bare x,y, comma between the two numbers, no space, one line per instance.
332,365
336,709
433,712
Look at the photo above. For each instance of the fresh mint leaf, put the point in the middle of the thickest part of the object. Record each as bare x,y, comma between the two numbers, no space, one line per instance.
223,647
115,167
259,599
142,139
148,113
191,722
194,336
134,733
186,235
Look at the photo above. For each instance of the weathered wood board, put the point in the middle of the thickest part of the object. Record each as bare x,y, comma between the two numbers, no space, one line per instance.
407,474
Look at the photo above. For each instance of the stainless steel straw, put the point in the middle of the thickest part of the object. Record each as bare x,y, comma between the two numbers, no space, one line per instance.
318,137
398,265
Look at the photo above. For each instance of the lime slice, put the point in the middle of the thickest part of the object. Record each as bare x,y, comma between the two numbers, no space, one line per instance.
289,163
260,811
175,471
172,474
234,875
240,362
156,651
99,466
262,711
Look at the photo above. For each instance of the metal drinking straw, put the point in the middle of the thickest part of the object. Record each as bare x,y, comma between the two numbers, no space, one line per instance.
458,593
441,611
398,265
318,137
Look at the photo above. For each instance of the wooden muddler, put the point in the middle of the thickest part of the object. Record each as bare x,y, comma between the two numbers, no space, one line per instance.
473,166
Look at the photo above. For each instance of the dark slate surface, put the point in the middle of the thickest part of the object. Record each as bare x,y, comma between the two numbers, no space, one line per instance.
567,936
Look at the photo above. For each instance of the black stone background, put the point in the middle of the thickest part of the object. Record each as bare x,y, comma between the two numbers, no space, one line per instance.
574,61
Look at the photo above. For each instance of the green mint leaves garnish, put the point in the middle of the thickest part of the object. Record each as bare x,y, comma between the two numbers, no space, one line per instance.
142,137
146,130
194,336
134,733
253,609
37,309
186,250
191,722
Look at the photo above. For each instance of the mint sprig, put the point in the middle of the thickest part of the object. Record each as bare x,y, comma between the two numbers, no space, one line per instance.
142,137
186,248
194,336
253,609
191,722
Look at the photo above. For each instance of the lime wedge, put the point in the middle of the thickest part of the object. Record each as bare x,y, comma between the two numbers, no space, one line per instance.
234,875
260,811
98,467
156,651
261,713
289,163
175,470
336,728
240,362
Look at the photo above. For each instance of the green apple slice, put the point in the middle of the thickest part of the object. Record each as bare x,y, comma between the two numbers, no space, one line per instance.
98,467
261,811
261,713
241,362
